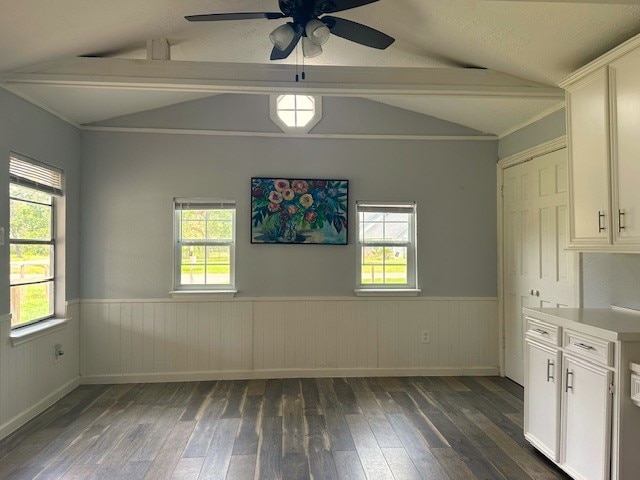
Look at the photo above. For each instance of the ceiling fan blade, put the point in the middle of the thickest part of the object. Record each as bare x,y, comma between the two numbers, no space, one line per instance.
214,17
277,54
335,6
358,33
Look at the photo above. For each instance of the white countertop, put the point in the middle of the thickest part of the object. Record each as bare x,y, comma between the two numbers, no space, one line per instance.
604,323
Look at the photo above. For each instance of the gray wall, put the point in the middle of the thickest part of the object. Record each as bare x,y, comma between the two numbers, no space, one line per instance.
130,179
29,130
550,127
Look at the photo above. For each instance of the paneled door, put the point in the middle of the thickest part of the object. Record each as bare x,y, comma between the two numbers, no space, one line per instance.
538,270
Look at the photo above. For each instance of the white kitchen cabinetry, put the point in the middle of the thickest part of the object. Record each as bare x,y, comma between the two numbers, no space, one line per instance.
603,121
579,390
586,419
542,368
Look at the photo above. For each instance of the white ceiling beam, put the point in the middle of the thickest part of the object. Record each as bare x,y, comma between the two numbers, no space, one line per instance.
158,49
206,77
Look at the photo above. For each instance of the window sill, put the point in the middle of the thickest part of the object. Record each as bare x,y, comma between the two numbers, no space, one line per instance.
203,294
28,334
387,292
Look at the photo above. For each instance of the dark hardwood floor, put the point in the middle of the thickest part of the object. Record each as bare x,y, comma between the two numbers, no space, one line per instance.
356,428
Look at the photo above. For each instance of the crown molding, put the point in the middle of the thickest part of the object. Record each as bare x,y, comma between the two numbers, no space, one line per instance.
525,155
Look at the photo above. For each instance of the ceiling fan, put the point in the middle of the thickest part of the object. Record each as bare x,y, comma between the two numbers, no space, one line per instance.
310,23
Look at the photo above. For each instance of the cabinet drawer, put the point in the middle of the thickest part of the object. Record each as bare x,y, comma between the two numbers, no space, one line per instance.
588,347
543,331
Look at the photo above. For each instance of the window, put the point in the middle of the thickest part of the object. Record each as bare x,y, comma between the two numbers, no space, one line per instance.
204,244
32,242
387,246
296,113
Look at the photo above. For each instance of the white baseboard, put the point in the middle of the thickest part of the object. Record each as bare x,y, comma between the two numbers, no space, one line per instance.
23,417
293,373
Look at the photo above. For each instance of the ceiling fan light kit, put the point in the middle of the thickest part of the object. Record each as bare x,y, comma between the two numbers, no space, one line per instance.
317,32
282,36
311,24
310,49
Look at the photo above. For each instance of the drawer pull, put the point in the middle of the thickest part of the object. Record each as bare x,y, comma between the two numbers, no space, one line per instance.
568,387
540,331
584,346
621,227
550,366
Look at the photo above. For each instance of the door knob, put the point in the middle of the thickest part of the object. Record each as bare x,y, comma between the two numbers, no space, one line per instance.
537,293
532,292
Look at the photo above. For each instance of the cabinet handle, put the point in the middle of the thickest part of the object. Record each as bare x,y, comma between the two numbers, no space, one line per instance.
568,387
621,227
601,227
550,366
540,331
584,346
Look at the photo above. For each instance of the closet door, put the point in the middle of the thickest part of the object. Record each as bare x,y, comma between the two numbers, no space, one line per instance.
538,270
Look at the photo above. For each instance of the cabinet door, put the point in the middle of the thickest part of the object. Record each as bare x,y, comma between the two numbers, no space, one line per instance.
542,397
588,137
586,420
625,94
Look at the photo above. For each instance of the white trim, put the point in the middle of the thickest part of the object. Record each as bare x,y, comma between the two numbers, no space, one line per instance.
530,153
601,61
532,120
275,118
74,301
203,294
633,311
290,299
31,332
387,292
39,104
285,373
23,417
332,136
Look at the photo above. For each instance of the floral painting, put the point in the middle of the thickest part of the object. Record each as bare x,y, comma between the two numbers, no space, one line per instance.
286,210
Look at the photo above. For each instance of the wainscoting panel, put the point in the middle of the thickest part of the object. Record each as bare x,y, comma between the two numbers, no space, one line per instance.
246,338
30,381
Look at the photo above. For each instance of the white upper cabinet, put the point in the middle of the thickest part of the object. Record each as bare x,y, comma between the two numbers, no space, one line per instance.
625,109
587,119
603,124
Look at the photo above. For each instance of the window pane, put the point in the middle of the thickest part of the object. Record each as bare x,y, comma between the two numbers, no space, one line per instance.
194,229
218,274
193,214
397,217
30,221
372,255
31,302
222,214
219,230
288,117
192,269
218,255
24,193
372,231
305,102
396,232
31,263
372,274
395,274
287,102
304,117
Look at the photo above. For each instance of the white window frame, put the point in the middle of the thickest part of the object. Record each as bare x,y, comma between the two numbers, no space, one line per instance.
273,110
51,183
411,287
178,243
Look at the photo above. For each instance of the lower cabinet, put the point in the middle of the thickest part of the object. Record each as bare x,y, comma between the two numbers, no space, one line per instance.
542,398
586,420
567,412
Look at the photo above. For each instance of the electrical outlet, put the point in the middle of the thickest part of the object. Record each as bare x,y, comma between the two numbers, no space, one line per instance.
58,352
426,336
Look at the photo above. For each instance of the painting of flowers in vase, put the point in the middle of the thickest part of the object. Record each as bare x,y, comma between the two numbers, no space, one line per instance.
289,210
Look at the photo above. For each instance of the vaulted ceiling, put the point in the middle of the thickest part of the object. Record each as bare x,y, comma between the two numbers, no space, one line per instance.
537,41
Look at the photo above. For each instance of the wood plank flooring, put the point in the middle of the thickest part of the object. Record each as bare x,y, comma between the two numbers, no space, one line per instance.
356,428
